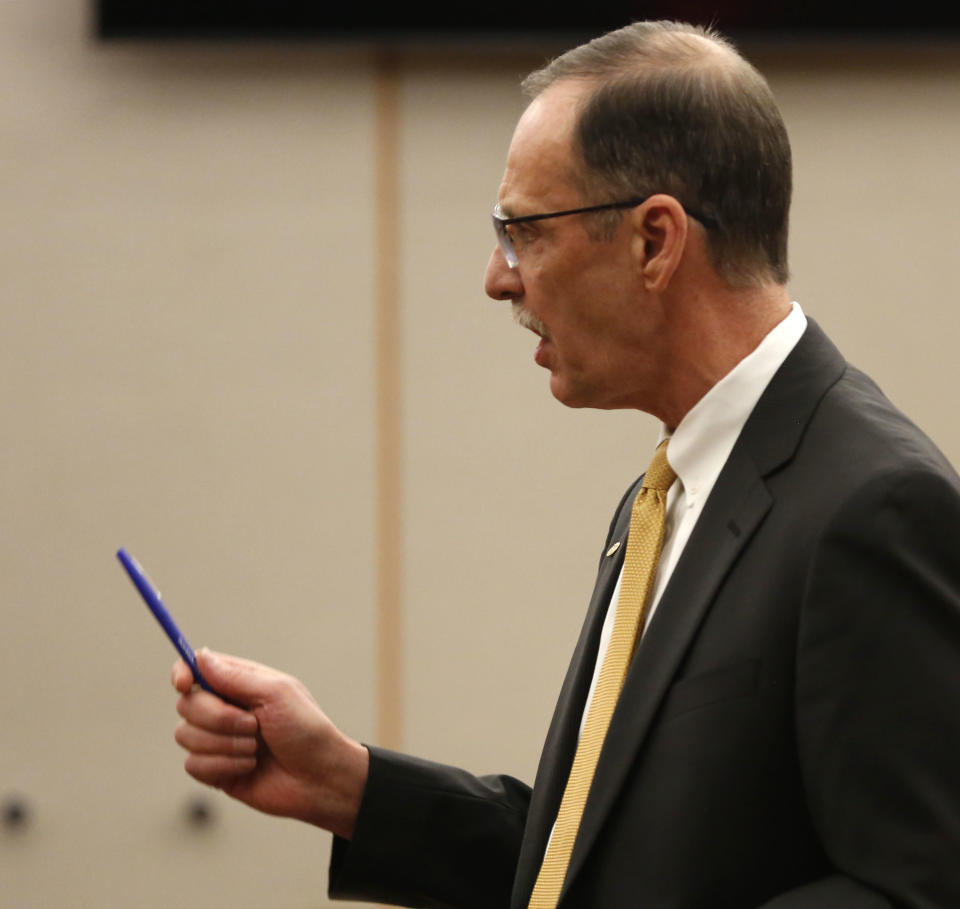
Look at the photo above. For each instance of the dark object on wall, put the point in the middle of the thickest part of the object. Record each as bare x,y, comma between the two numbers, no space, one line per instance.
15,812
199,812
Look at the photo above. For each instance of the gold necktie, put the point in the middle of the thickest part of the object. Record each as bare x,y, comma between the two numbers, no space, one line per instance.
644,542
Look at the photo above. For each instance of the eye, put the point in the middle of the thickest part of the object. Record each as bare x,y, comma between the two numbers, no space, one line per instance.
520,233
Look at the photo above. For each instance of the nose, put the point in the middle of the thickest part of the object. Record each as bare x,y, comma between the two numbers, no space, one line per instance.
501,282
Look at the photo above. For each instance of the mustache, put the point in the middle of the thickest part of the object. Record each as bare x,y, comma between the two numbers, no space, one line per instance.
525,319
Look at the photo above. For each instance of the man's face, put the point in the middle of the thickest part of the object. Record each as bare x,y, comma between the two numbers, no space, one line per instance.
582,296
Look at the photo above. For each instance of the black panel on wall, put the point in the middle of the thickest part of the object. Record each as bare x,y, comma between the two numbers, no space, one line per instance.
302,18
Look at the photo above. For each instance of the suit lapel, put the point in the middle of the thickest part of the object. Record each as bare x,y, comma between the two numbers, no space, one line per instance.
721,533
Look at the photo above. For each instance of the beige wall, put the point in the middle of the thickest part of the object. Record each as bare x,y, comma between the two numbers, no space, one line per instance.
189,369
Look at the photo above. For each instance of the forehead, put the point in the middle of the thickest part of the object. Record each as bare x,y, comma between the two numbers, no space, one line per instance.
540,165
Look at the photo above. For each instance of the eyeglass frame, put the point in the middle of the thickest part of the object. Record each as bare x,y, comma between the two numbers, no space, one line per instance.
501,223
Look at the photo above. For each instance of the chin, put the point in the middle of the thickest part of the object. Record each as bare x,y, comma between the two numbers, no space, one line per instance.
587,397
569,397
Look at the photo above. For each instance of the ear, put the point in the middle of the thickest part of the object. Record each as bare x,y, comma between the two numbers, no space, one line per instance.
660,231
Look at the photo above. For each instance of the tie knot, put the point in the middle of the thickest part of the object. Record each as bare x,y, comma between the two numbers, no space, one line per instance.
660,474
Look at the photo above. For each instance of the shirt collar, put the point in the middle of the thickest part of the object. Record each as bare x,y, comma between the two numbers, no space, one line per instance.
701,444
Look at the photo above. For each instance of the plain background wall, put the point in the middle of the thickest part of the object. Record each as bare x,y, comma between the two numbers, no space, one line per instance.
187,326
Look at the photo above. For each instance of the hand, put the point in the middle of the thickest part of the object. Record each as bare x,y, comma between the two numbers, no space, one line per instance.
277,751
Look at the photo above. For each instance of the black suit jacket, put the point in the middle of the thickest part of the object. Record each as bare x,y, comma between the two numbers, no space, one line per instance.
788,734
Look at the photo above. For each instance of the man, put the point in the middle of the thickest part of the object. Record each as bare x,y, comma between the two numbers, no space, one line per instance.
783,729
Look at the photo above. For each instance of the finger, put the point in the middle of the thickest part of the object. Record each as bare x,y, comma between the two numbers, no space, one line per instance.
218,770
182,677
207,711
199,741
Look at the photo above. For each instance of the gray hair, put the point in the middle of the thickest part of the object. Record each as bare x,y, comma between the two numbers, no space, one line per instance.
675,109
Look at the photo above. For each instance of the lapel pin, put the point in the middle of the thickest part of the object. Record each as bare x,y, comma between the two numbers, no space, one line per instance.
613,549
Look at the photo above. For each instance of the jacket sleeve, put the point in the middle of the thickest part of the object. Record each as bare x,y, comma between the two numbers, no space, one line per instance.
878,697
431,835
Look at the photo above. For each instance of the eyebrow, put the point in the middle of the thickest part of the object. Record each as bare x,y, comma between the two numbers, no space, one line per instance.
509,210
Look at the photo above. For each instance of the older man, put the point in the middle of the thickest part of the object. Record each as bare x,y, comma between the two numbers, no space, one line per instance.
761,710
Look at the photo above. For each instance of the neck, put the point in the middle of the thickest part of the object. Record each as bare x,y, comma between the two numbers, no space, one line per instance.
708,335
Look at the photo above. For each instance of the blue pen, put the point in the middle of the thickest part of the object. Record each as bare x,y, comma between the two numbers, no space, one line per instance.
152,598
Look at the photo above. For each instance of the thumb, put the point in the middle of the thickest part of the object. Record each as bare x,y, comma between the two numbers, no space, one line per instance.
240,682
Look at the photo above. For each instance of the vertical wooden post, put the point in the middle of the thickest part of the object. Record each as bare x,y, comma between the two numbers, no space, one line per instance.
389,425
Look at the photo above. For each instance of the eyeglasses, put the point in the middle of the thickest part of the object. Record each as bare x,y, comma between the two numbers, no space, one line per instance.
501,223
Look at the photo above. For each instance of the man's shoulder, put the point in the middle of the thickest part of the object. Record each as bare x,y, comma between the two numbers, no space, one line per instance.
859,423
821,408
